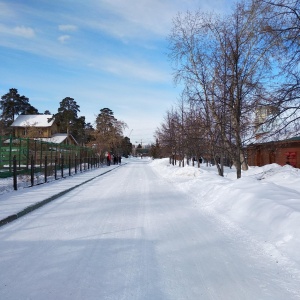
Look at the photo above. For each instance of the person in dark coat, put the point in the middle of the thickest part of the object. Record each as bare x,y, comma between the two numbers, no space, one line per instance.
108,158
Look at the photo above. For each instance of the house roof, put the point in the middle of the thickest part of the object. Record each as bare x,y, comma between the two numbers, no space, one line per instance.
57,138
295,138
284,127
33,120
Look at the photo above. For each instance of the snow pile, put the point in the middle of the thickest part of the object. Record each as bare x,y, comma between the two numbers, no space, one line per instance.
6,185
265,202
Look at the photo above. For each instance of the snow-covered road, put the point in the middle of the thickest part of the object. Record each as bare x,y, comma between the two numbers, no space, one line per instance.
130,234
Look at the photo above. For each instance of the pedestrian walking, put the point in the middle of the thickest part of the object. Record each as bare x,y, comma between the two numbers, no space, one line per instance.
108,158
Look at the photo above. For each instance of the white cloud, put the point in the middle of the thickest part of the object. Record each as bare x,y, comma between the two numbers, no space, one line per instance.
5,10
67,27
64,38
128,19
23,31
4,29
127,68
144,18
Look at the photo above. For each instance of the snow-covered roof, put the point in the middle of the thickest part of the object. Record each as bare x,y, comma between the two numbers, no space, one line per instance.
283,127
57,138
33,120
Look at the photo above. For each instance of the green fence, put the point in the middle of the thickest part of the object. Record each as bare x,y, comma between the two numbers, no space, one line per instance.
29,155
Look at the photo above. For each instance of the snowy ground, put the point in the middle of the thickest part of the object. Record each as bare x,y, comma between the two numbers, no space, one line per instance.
265,202
148,230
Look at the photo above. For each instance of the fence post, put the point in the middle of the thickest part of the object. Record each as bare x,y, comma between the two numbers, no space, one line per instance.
20,147
51,159
35,151
55,167
69,165
15,172
80,163
41,155
75,163
46,168
10,152
27,154
32,171
62,166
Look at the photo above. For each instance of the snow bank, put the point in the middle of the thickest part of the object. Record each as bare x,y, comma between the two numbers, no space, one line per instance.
265,202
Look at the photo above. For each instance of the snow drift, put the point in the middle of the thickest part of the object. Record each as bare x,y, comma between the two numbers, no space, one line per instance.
265,202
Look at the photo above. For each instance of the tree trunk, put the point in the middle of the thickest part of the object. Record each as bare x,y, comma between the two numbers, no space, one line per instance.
243,160
220,169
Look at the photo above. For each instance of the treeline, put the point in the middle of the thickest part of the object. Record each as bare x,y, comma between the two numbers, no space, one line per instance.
232,67
105,135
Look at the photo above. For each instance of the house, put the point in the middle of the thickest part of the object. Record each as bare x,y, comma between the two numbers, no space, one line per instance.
281,152
277,139
41,127
34,126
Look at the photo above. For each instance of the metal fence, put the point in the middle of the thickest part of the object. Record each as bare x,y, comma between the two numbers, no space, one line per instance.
38,161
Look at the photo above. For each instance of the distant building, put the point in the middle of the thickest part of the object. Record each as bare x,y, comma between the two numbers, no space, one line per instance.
272,145
280,152
263,112
41,127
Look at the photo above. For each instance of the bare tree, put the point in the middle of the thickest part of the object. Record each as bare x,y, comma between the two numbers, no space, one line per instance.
223,63
108,135
166,134
282,23
195,134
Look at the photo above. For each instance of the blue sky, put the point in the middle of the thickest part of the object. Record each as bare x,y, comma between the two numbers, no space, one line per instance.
102,53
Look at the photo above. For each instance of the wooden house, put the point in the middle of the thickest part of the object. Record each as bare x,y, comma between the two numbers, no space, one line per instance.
41,127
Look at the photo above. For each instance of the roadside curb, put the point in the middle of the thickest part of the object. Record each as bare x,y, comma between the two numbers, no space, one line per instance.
37,205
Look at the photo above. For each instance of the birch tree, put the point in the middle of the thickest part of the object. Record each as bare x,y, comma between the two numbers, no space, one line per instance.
223,63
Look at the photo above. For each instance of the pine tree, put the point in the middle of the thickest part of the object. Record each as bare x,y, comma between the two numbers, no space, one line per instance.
109,132
13,104
105,121
126,146
78,130
67,115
